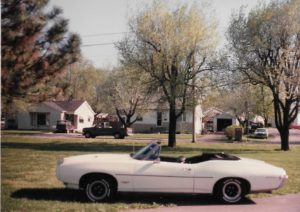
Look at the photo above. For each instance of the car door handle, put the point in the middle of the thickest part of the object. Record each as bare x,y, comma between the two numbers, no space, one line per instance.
187,169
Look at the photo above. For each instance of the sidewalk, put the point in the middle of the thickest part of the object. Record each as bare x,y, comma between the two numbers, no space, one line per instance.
285,203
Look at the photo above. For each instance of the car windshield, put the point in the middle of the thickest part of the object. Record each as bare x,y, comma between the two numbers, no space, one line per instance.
149,152
261,130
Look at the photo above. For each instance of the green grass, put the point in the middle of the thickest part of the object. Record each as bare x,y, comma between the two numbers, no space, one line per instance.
24,132
161,136
29,182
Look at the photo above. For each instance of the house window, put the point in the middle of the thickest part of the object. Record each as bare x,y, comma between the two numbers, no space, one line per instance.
81,120
139,118
183,117
159,118
41,119
33,121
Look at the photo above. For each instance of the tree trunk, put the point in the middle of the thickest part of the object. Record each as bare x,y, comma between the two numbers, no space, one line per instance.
282,119
172,126
284,135
266,121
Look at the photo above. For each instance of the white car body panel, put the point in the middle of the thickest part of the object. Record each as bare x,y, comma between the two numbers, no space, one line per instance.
152,176
170,177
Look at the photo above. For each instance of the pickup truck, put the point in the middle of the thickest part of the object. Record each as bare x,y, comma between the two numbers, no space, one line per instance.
105,129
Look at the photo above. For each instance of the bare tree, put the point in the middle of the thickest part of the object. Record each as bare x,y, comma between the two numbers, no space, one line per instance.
172,47
85,82
127,92
265,48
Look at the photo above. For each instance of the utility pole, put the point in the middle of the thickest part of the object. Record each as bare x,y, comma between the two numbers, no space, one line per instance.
194,112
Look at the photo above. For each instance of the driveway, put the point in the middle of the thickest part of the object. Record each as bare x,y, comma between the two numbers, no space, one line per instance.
285,203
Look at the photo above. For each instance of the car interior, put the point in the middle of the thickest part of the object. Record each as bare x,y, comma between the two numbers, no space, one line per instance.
199,158
152,152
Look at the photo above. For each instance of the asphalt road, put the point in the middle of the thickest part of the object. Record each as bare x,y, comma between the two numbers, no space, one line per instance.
274,137
285,203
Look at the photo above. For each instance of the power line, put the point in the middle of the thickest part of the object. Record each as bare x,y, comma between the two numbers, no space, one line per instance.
96,44
103,34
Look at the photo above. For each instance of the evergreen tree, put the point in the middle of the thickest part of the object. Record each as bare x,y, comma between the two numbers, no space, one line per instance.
36,49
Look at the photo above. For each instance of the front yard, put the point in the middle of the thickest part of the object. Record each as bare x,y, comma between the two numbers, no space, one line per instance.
28,181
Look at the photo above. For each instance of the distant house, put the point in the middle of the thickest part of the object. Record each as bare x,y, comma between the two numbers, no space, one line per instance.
208,118
44,116
157,120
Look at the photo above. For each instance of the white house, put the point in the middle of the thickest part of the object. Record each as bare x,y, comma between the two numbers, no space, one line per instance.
297,120
157,120
45,115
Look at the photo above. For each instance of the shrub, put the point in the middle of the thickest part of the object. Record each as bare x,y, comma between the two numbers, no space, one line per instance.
230,131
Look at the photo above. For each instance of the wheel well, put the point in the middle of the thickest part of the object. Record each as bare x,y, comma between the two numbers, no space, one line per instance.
245,182
85,179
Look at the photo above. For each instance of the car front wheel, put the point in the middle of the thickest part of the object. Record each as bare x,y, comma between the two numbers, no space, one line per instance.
231,190
98,190
117,135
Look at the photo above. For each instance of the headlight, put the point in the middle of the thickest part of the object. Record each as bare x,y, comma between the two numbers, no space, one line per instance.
60,161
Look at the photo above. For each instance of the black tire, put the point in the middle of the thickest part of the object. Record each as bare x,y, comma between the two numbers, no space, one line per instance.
231,190
88,135
99,190
117,136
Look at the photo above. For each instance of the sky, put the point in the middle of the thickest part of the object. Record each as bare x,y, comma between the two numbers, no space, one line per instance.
101,23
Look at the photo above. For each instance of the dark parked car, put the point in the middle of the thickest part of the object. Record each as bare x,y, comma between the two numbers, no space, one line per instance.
295,126
105,129
63,126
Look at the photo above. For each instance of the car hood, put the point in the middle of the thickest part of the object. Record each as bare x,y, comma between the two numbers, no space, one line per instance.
97,157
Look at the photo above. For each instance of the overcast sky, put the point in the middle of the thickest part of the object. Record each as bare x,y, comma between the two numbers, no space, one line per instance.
100,23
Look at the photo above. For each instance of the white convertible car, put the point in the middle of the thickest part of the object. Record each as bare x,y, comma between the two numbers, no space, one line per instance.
225,176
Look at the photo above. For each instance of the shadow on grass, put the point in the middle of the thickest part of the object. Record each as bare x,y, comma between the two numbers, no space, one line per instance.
122,148
67,195
51,194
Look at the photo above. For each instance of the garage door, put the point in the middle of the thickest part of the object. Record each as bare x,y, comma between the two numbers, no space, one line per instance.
223,123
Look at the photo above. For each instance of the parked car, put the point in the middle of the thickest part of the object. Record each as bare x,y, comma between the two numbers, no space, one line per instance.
295,126
2,123
226,176
261,133
64,126
104,128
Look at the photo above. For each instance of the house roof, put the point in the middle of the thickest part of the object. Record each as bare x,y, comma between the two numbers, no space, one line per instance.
69,106
211,113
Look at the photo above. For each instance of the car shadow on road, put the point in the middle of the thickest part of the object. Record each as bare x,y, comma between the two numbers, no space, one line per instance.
68,195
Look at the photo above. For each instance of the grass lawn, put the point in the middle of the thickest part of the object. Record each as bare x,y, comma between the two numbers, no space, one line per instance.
28,181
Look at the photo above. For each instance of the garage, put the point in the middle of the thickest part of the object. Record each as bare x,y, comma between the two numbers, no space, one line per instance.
223,123
224,120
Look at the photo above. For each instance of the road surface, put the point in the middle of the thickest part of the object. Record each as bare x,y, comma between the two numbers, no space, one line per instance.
285,203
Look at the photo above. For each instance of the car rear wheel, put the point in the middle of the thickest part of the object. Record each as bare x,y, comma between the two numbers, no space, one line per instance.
88,135
98,190
231,190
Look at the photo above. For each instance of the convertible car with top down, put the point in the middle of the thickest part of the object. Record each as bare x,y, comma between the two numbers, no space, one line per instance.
225,176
